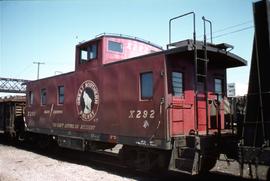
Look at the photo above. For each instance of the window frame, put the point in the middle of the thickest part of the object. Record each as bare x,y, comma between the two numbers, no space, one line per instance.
82,60
86,48
88,51
146,98
221,85
30,97
219,95
43,103
60,95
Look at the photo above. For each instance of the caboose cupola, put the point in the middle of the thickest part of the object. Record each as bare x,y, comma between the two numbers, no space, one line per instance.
110,48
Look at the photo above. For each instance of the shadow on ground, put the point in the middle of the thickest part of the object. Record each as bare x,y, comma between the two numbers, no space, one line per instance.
86,158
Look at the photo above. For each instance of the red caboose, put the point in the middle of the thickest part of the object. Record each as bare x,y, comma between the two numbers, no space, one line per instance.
129,91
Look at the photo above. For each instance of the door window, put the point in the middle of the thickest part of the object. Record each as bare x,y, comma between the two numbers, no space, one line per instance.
177,84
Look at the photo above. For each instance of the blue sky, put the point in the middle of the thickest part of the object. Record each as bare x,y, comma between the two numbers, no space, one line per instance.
47,31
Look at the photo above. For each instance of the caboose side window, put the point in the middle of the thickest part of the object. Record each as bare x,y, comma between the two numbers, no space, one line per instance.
115,46
146,85
177,83
61,94
30,97
88,53
43,95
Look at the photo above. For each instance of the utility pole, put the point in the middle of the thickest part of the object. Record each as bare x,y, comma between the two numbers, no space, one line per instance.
38,63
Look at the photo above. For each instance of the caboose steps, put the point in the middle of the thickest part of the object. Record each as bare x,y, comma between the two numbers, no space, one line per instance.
185,141
185,165
194,154
186,152
183,155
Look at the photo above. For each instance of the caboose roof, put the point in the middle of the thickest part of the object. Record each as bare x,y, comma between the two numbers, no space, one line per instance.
113,35
217,53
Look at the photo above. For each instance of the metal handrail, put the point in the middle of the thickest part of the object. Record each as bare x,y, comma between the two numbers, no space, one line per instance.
177,17
206,68
204,34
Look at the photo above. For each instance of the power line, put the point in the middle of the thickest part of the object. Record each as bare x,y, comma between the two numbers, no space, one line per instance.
233,26
230,27
236,31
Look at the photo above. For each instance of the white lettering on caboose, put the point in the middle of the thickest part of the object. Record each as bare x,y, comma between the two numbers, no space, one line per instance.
138,114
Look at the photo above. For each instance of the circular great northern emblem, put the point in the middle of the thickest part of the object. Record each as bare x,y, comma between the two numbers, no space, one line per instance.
87,100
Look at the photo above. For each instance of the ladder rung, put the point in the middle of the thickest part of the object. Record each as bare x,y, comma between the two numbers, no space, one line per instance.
205,60
201,75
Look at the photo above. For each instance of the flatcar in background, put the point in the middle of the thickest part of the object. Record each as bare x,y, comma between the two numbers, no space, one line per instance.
166,107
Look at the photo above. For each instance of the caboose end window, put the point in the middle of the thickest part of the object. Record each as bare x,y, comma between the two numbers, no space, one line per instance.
30,97
61,94
218,87
43,96
177,83
146,85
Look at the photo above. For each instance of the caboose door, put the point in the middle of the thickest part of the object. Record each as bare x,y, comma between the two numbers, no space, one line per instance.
176,108
176,116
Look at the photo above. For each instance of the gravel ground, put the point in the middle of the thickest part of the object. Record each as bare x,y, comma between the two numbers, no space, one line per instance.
17,164
23,164
232,168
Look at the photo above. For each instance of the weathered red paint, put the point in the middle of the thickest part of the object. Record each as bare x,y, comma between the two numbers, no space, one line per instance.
119,110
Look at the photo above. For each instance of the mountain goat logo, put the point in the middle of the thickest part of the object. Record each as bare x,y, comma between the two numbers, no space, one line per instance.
87,100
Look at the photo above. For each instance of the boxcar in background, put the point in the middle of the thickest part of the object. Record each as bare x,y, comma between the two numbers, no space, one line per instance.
12,115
